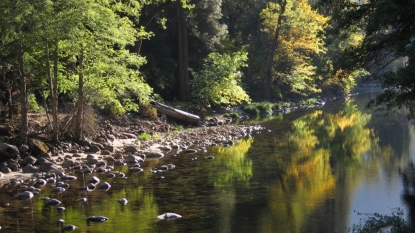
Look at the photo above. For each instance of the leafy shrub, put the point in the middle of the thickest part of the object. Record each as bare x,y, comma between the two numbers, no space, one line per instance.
219,82
257,108
234,115
251,110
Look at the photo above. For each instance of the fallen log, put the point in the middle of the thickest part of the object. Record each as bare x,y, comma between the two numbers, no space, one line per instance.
175,113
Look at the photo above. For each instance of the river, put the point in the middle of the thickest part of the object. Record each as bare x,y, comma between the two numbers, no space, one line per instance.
309,170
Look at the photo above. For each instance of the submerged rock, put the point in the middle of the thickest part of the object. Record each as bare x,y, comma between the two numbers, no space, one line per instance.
96,219
26,195
168,216
52,202
69,227
123,201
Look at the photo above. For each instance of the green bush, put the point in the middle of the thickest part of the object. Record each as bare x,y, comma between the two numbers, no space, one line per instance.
234,115
251,110
219,81
257,108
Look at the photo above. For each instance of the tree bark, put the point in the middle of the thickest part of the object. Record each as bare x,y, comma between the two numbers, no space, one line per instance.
268,75
45,105
23,96
79,127
184,91
54,94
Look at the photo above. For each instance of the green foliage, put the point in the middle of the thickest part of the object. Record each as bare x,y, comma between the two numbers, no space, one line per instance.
177,128
33,103
256,108
388,40
144,136
156,136
234,115
394,223
218,83
251,110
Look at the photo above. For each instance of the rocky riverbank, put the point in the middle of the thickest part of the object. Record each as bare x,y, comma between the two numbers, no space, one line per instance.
114,143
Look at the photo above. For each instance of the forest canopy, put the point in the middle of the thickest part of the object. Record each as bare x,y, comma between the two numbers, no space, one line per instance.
116,55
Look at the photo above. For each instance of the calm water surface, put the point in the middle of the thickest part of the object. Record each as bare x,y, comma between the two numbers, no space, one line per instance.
307,171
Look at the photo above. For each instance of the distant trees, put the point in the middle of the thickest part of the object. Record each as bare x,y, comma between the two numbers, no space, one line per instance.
387,47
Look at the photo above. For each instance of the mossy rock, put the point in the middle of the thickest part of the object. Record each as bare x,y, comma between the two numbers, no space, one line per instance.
37,147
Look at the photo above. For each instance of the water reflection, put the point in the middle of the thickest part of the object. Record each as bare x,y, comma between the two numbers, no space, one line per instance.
307,172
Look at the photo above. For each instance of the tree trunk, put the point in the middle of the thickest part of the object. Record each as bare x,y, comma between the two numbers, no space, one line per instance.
49,76
23,96
80,105
184,91
54,94
268,76
8,95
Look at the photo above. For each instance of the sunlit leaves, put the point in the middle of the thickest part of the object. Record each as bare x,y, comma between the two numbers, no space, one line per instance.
301,37
218,83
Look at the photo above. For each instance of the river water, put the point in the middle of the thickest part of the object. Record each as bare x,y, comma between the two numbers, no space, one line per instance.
308,171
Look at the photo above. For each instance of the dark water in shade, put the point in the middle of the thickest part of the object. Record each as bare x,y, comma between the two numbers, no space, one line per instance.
307,171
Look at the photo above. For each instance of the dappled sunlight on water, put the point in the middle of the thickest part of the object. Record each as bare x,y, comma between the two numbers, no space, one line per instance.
307,171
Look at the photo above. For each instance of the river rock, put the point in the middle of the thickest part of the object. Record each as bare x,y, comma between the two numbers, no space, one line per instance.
30,160
96,219
41,182
67,177
105,152
14,166
24,148
38,147
53,202
109,159
134,159
131,149
26,195
8,151
59,190
153,155
168,216
47,166
92,161
94,180
6,170
129,135
123,201
94,149
118,156
109,148
110,137
190,151
30,169
69,228
105,186
84,142
67,163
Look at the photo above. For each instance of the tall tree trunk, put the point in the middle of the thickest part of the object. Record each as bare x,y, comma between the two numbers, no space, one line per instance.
54,94
79,127
49,76
23,96
184,91
8,99
268,76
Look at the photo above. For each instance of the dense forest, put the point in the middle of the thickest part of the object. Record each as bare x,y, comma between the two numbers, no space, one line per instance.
117,55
